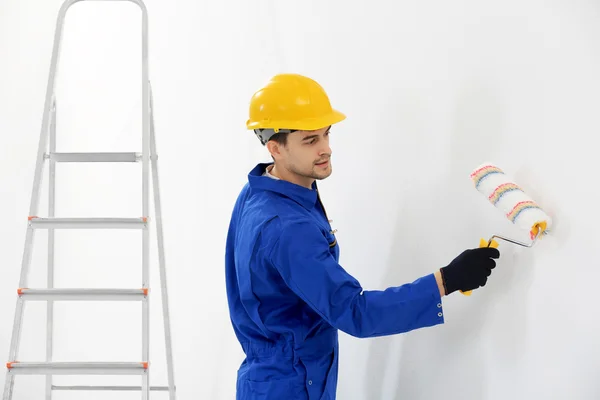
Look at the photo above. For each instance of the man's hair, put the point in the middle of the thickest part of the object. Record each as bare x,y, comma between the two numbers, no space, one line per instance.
280,138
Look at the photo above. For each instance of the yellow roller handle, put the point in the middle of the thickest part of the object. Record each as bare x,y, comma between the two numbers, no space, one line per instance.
482,243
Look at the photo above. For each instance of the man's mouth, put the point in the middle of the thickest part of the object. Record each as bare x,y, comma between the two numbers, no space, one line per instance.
322,164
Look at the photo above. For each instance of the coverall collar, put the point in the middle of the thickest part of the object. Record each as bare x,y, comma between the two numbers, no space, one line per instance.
304,196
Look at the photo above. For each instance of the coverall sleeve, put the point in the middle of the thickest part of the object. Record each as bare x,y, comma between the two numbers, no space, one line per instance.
302,256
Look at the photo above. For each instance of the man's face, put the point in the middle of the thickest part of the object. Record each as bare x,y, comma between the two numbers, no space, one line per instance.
306,155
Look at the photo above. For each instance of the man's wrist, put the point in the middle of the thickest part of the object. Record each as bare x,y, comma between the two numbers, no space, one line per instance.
440,282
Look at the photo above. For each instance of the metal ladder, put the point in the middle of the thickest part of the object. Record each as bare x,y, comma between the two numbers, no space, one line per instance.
47,152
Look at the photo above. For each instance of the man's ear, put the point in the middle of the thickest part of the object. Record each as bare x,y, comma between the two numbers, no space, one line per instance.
274,148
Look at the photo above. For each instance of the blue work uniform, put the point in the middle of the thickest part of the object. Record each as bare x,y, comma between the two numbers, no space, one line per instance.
288,295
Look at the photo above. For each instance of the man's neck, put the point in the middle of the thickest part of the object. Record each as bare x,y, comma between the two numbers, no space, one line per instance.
290,177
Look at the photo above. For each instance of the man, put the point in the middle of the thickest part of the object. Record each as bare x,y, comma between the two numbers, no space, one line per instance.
288,295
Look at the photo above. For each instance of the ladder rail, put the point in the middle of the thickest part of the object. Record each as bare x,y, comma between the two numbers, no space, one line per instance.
161,256
51,242
145,201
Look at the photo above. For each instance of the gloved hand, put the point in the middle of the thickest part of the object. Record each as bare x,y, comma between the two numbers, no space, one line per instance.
469,270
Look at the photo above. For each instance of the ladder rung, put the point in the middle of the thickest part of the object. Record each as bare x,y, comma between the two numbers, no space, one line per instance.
119,388
94,157
88,223
83,294
77,368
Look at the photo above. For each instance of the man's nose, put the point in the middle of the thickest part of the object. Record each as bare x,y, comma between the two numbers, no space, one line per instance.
325,149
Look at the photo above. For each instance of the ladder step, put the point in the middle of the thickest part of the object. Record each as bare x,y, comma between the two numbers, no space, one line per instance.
77,368
118,388
94,157
83,294
88,223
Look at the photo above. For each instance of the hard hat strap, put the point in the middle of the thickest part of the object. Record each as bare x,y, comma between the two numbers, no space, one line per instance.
264,135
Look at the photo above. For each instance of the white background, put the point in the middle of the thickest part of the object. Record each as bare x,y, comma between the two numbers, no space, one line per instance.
431,90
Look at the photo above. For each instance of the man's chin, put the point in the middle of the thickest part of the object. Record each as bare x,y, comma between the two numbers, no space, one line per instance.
322,175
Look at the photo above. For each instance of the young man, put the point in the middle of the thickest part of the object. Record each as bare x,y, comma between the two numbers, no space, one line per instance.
288,295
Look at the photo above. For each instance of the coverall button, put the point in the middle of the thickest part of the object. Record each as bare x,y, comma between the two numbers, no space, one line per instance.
439,314
310,382
439,305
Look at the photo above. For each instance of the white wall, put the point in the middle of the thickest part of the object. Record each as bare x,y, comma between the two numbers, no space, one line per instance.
431,89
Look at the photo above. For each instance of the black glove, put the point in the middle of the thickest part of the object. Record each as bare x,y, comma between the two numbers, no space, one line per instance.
469,270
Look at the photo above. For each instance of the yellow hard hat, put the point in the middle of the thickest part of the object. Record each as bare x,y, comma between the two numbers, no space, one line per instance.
291,102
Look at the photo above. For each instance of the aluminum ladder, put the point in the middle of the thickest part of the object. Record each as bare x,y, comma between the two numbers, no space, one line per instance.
47,153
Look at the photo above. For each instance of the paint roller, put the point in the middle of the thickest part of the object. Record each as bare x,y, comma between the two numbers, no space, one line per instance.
511,199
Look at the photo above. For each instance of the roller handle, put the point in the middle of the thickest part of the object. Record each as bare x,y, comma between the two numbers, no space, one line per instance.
482,243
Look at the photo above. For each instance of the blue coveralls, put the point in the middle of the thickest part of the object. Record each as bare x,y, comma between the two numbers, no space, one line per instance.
288,296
